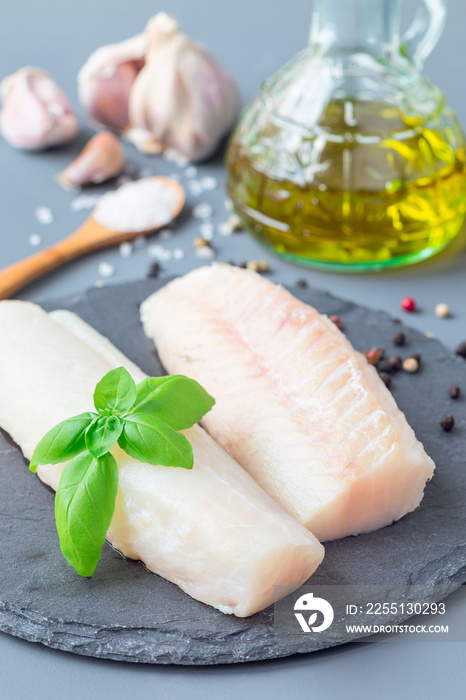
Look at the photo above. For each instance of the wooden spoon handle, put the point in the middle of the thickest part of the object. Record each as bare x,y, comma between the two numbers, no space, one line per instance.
20,274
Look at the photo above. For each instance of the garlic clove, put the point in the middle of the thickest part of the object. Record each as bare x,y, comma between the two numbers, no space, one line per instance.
181,99
102,158
106,79
35,114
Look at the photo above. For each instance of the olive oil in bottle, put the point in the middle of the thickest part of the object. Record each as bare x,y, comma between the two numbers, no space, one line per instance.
347,195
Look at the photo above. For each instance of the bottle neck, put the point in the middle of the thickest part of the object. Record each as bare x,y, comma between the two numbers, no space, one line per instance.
354,26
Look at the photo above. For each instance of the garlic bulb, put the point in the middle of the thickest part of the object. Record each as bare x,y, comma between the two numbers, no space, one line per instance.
173,97
35,113
102,158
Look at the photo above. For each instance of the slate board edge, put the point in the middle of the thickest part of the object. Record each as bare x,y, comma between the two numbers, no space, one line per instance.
157,647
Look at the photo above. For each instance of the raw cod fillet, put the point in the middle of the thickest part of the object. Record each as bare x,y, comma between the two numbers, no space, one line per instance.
297,406
211,530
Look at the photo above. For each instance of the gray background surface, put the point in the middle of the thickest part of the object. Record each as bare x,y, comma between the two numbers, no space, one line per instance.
251,38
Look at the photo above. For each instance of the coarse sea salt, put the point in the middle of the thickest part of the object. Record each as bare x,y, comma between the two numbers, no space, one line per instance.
195,188
158,252
178,254
106,269
177,158
126,250
35,239
84,201
205,253
44,215
209,183
204,210
207,230
191,171
224,228
137,206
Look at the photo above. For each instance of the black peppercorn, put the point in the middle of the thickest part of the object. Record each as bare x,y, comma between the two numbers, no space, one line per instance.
398,338
154,269
386,378
416,356
454,391
395,363
384,366
302,283
447,423
461,349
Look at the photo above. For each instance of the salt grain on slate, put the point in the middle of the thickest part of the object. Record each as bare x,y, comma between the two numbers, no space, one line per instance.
44,215
224,228
84,201
207,230
209,183
204,210
178,254
126,250
206,253
195,188
174,157
228,205
106,269
158,252
191,171
35,239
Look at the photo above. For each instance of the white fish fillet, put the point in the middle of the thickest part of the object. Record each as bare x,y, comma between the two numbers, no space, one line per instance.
297,406
210,530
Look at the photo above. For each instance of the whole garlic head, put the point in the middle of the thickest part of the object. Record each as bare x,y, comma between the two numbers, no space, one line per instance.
35,114
176,99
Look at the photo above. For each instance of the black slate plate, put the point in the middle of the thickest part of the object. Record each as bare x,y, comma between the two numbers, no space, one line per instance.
126,613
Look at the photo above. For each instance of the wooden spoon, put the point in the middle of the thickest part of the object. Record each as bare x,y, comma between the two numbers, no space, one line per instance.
89,237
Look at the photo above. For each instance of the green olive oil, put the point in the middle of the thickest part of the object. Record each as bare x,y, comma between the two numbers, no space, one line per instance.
347,197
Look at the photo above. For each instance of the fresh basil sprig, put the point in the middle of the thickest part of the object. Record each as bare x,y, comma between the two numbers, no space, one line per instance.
144,420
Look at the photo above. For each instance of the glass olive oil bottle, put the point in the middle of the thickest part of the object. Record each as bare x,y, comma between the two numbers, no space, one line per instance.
349,158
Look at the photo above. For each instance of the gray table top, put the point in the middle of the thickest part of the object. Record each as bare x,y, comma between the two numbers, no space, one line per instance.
251,38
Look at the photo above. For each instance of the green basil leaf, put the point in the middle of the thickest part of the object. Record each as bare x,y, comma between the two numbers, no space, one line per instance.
63,442
115,393
84,507
149,439
177,400
103,434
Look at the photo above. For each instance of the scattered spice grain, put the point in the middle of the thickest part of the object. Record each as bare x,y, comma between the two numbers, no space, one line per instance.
447,423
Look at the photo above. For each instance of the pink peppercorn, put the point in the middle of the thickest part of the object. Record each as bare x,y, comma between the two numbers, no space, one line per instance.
408,304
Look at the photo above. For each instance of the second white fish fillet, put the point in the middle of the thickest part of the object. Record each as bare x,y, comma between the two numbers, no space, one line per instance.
211,530
297,406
